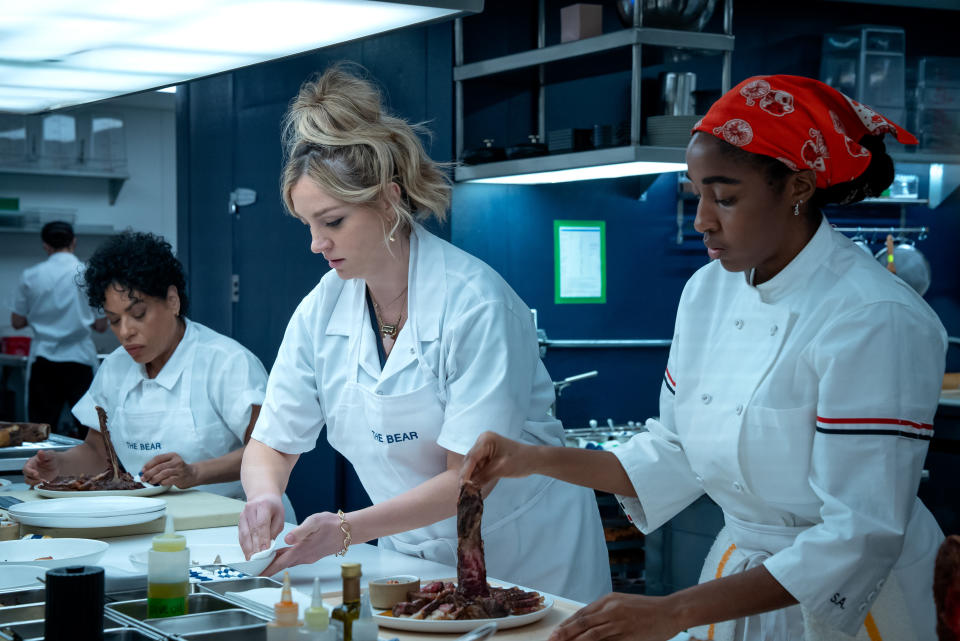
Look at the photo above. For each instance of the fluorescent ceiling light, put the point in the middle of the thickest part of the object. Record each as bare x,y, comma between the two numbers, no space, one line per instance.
617,170
104,48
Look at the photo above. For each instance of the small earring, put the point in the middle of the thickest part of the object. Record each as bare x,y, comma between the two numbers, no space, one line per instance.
392,239
796,208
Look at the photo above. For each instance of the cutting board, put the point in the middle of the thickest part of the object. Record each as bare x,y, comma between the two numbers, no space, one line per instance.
536,631
190,509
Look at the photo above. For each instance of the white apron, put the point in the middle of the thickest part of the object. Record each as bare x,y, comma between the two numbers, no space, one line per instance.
140,435
520,515
741,545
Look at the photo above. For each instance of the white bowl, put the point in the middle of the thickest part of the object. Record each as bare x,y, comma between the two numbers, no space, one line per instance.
206,553
63,552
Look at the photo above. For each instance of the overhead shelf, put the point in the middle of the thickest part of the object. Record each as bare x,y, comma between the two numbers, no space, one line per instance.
573,160
114,179
598,44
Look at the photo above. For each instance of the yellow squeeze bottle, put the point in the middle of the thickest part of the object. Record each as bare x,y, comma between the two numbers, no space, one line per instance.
286,612
168,574
316,621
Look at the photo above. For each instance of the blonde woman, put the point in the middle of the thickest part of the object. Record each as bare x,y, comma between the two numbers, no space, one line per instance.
407,350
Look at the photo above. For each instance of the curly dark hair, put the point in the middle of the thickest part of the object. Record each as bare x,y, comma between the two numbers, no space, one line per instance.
876,177
135,261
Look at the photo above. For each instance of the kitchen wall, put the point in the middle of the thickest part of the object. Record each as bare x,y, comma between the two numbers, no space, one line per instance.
147,200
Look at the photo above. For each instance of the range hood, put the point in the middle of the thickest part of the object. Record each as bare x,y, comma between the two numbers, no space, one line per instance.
59,53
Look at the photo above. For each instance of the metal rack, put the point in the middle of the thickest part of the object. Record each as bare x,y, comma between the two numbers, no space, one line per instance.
634,38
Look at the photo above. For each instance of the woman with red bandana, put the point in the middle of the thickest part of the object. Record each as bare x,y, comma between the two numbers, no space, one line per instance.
799,395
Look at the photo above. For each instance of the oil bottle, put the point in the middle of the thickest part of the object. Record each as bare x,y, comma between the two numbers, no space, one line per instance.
168,574
348,611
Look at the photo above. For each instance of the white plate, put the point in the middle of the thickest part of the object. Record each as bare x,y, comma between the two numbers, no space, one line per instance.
149,490
87,506
21,576
464,625
206,553
63,551
90,521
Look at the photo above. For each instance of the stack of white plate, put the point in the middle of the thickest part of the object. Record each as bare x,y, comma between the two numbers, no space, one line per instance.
88,511
670,131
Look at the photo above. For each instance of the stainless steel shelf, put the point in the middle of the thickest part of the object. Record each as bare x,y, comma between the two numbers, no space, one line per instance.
114,179
618,39
573,160
893,201
926,157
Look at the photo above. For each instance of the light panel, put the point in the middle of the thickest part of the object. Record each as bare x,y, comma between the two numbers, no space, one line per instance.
616,170
58,53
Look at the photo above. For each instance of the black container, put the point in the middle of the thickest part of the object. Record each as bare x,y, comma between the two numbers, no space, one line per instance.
74,609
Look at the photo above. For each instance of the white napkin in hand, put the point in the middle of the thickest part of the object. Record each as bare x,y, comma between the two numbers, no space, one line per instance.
269,596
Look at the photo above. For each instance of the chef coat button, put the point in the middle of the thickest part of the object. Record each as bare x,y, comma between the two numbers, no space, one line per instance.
739,410
699,479
879,584
863,606
738,324
737,486
411,350
773,330
706,398
871,596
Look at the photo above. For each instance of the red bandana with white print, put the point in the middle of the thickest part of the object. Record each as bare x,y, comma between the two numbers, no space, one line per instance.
801,122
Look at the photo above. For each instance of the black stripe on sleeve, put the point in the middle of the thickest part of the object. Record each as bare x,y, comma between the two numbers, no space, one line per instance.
920,437
669,387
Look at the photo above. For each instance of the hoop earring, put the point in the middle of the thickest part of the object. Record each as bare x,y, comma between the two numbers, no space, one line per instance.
796,208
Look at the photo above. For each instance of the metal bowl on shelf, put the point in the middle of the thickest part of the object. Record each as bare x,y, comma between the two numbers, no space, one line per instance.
691,15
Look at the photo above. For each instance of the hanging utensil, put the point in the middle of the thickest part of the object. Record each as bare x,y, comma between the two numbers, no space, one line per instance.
910,264
861,241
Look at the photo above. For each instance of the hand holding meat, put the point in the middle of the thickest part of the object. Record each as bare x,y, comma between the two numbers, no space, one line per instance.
170,469
619,616
260,523
318,536
42,466
494,457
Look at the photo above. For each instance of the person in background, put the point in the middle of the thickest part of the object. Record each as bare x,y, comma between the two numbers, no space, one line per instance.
406,351
181,399
799,394
49,299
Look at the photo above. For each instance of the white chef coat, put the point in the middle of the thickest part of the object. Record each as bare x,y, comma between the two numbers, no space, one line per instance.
50,298
804,405
468,357
198,405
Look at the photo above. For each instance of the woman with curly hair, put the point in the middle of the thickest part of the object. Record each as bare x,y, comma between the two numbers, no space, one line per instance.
181,399
406,350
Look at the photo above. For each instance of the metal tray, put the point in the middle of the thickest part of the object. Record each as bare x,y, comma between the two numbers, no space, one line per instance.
112,634
258,633
242,585
206,621
14,458
19,596
196,604
34,628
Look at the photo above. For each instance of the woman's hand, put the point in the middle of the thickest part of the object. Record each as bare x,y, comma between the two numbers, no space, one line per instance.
170,469
494,457
318,536
42,466
619,616
260,522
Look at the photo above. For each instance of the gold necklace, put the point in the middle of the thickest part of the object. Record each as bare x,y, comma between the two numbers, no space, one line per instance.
388,330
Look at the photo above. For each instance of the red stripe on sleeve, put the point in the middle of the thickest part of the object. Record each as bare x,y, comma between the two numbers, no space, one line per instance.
670,378
875,421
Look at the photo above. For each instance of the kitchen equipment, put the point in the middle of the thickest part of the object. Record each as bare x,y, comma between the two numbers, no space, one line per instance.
860,241
677,93
530,149
74,603
12,459
569,139
691,15
670,131
909,263
485,153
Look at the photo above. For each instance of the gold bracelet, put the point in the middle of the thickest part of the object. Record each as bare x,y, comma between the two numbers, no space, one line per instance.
345,528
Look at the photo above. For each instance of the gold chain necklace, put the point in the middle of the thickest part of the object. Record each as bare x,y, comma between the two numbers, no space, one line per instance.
388,330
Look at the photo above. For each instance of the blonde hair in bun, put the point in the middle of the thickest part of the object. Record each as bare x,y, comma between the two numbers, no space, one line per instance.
337,133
